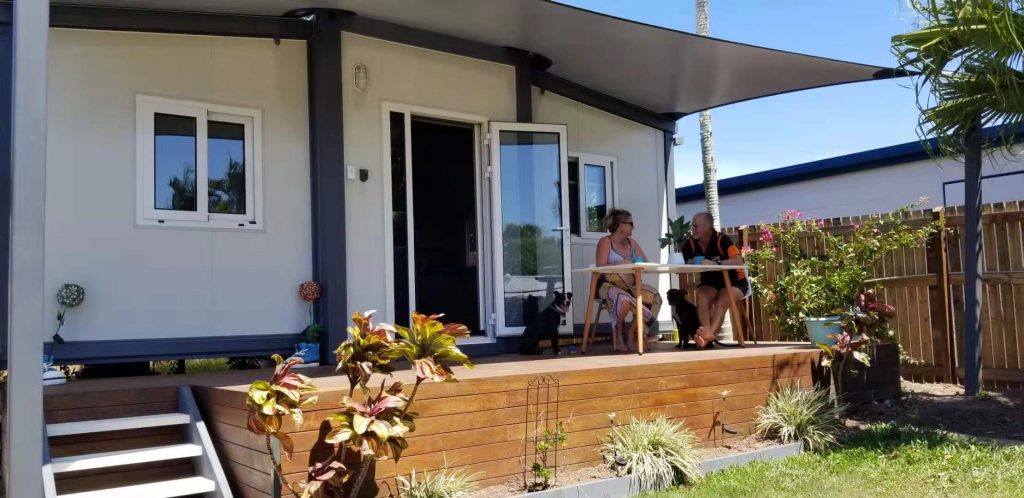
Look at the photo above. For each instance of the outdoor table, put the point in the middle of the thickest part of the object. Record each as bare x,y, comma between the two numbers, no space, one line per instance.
638,270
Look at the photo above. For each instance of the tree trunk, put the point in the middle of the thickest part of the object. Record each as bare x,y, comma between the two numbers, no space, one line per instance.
706,149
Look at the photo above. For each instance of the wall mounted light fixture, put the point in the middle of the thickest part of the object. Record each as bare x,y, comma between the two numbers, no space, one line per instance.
361,77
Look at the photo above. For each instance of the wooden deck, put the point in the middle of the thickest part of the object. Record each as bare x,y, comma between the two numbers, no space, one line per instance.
480,423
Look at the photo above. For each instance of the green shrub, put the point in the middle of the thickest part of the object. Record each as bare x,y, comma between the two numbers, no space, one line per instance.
795,414
444,483
658,452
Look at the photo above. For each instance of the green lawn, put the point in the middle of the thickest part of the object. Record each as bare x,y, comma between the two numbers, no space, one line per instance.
885,461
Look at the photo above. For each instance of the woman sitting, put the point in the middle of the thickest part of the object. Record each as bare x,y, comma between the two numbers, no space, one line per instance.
617,291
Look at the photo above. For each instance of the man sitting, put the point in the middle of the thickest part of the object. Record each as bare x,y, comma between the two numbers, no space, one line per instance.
709,247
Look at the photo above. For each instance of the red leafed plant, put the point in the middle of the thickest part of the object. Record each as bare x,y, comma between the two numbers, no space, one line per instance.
269,402
375,427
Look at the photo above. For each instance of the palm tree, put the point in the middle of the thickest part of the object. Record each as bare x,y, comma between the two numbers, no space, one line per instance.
706,149
966,58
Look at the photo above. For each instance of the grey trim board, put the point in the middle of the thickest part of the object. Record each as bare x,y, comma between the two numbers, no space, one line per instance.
5,169
166,21
593,98
742,459
397,33
327,176
212,346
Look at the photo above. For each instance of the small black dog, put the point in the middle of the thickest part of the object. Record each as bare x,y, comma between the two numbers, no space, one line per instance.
545,325
684,314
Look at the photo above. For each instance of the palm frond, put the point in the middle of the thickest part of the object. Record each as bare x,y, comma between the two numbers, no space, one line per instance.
968,57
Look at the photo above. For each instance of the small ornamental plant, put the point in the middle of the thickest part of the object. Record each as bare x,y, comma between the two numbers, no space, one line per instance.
837,358
309,291
678,231
543,470
68,296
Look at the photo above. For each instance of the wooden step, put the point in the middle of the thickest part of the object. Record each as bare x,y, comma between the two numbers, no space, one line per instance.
126,457
160,489
116,424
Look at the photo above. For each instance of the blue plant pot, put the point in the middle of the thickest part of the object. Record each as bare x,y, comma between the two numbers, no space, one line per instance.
308,351
819,329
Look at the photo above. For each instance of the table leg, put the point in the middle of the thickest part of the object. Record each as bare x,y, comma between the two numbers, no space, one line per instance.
639,317
737,326
590,311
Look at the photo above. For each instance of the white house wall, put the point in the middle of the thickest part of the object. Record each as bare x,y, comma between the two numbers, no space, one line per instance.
866,192
163,282
639,171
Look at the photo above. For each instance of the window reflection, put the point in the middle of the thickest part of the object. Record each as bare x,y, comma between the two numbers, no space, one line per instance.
225,151
174,162
531,217
597,202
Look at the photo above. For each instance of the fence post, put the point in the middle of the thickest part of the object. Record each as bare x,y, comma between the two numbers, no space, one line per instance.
938,299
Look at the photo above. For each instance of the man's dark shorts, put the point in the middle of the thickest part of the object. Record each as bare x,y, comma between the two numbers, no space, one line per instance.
742,284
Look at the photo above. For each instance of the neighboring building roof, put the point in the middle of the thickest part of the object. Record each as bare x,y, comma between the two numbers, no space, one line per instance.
839,165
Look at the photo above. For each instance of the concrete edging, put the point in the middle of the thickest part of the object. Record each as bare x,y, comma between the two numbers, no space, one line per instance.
617,487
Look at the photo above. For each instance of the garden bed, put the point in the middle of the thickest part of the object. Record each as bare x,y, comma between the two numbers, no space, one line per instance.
944,407
581,477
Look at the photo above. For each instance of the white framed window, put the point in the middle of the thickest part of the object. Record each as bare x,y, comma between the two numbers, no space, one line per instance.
198,165
591,193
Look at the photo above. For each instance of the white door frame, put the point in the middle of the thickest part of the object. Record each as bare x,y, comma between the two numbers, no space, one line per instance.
496,221
479,124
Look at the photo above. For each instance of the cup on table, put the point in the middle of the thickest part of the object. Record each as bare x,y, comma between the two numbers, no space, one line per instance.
638,259
698,260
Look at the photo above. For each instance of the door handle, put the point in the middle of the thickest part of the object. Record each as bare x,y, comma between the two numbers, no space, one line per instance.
559,229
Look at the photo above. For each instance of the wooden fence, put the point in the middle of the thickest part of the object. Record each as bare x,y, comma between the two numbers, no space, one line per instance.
926,287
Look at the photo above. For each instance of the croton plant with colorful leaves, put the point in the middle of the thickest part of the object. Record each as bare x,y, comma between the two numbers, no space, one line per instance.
376,426
269,402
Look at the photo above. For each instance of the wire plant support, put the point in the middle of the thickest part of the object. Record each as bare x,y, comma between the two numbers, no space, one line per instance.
543,434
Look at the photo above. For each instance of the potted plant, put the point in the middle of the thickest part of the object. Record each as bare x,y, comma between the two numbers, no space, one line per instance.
678,232
866,325
819,272
840,359
308,347
68,296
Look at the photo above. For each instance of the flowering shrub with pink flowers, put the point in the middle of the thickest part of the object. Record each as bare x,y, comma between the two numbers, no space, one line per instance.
801,269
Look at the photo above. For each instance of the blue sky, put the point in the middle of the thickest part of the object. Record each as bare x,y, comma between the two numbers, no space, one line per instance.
803,126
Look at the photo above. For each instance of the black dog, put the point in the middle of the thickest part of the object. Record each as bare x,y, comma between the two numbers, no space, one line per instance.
545,325
684,314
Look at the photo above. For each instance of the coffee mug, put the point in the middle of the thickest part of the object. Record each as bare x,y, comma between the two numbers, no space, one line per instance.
697,260
638,259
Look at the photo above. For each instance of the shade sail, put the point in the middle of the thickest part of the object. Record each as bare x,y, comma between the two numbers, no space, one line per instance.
659,69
